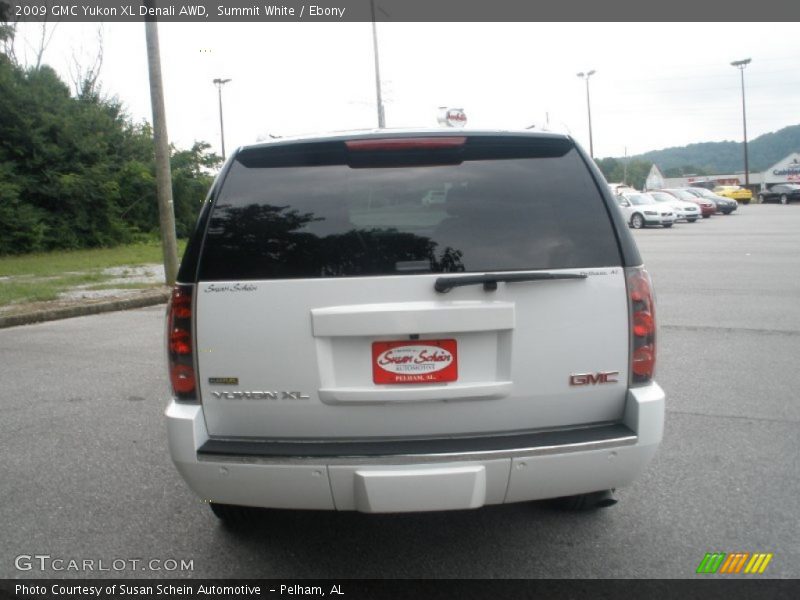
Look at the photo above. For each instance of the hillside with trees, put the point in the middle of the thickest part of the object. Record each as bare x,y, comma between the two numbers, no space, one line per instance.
76,171
707,158
725,157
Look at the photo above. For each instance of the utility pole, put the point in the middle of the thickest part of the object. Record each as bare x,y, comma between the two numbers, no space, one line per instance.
219,83
625,168
585,77
741,64
381,115
166,211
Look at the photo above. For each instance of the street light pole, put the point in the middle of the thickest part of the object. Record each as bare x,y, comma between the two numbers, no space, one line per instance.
741,64
381,115
219,83
585,77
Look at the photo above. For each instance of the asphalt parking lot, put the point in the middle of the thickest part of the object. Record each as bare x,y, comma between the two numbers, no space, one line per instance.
86,473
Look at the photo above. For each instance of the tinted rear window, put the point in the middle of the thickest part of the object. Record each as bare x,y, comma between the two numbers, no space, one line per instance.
497,204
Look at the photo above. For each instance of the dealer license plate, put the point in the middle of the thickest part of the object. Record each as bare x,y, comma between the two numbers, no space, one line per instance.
414,361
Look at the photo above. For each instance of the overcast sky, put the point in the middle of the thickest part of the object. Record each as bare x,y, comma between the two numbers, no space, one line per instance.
656,84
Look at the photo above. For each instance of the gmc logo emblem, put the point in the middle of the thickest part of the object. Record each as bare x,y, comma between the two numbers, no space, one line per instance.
593,378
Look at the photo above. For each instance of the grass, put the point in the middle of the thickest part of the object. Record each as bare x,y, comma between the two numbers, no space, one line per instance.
42,277
41,290
122,286
56,263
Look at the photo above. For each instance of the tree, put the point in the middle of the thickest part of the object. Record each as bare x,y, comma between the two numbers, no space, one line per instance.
85,78
191,179
76,172
611,168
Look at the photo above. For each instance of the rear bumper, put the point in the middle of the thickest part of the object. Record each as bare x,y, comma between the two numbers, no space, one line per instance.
414,475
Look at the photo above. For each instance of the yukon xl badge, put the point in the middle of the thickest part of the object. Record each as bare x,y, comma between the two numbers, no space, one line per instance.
593,378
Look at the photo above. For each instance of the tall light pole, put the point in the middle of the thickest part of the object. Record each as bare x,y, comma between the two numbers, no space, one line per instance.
381,115
219,83
741,64
585,77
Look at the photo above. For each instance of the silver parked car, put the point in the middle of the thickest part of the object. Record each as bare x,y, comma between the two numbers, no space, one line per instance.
687,211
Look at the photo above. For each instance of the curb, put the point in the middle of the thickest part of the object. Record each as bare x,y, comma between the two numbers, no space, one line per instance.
149,298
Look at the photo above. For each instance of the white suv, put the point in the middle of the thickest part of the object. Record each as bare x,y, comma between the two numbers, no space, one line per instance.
338,342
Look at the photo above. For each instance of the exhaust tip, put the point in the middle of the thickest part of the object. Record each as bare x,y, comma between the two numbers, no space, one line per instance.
581,502
602,499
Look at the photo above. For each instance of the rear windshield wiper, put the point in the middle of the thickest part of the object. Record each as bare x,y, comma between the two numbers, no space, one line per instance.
489,280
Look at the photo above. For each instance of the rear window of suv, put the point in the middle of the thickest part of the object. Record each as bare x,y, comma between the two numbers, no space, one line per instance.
315,210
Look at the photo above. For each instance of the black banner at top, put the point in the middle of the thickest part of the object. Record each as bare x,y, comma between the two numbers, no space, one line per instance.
313,11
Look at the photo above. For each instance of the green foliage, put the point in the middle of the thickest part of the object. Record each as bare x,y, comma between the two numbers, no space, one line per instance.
75,172
190,183
6,30
627,170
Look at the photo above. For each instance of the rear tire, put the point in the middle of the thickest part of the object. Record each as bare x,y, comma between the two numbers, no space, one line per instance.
235,517
746,201
692,220
637,221
706,216
667,225
784,199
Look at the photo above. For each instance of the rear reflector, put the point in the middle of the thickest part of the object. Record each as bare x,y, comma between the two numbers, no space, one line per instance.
642,325
421,143
180,347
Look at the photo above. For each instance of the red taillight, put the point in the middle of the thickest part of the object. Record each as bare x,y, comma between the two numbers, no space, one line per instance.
180,342
182,379
643,325
420,143
180,349
644,362
182,302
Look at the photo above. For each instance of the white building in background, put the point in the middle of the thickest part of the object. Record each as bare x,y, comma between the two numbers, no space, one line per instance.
655,179
756,180
786,170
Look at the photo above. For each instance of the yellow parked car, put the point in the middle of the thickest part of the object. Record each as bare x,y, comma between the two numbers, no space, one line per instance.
736,192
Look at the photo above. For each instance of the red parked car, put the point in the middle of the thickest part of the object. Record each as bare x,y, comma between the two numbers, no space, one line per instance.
707,207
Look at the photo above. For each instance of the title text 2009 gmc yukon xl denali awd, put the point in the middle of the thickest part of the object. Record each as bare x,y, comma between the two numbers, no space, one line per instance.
338,341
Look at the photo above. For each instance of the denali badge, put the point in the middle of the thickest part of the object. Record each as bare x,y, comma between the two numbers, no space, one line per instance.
223,380
271,395
593,378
